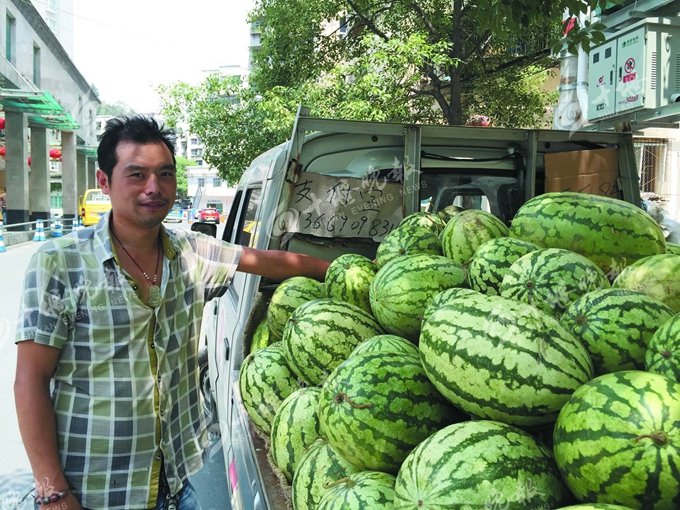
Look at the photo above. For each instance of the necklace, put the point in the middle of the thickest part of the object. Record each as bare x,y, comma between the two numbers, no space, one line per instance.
154,291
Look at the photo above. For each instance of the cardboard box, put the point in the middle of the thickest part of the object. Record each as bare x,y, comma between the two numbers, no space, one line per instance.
590,171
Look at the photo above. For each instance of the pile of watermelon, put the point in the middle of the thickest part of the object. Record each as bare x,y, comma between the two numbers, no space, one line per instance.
475,365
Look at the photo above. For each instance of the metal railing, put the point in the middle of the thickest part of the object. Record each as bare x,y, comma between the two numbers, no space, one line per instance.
33,225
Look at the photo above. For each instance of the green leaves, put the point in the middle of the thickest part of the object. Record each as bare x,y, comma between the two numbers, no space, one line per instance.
382,60
233,120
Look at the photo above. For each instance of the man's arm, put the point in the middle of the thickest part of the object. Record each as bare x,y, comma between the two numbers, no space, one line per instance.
35,365
280,265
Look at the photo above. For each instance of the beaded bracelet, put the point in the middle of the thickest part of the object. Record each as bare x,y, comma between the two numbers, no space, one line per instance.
46,500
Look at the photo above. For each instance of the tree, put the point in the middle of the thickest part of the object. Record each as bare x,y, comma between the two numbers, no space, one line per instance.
181,165
234,122
435,61
117,108
441,50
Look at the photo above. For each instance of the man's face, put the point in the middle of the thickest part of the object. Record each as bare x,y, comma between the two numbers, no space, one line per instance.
142,185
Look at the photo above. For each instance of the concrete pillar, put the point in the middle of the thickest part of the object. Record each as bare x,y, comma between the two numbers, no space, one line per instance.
39,193
92,173
68,175
16,167
81,170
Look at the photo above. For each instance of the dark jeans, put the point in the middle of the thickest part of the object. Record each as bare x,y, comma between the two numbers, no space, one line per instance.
186,499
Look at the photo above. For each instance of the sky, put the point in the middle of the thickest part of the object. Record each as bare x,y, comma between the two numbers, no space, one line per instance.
127,47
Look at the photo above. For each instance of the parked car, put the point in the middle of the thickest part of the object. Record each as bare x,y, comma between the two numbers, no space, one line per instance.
176,214
209,215
93,205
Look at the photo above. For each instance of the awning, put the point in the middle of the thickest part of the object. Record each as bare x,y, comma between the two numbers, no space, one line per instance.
89,151
42,108
63,122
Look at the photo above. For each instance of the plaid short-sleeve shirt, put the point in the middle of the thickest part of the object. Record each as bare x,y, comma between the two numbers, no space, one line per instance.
126,393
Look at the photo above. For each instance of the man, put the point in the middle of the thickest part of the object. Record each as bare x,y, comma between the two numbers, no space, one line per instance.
3,205
111,315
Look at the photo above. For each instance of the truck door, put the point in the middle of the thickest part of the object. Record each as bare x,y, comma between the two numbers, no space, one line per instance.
228,352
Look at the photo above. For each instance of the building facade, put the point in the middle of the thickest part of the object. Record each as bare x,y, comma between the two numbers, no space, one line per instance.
47,104
206,189
58,14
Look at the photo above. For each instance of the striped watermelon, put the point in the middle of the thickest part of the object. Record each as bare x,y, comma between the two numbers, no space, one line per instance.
502,360
386,343
361,491
672,248
551,279
261,337
663,353
295,426
617,441
657,276
610,232
320,466
426,220
449,212
407,240
349,278
615,325
403,288
444,297
265,381
492,260
287,297
375,408
321,334
467,231
480,464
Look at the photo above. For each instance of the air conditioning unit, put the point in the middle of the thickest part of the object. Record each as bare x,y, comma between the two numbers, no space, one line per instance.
637,68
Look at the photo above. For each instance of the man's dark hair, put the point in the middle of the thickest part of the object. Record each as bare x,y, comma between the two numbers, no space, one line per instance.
136,128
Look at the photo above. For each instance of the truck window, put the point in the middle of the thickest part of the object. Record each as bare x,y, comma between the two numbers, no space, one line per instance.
247,224
231,218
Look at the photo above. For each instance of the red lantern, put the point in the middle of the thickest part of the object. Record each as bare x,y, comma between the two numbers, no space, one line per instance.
29,160
2,152
2,122
55,154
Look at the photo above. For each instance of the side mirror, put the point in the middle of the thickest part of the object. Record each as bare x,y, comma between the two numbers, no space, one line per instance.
209,229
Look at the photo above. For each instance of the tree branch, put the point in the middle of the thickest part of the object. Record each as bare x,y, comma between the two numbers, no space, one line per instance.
519,61
368,22
426,20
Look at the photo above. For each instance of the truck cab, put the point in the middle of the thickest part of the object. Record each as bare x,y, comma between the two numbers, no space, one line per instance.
339,187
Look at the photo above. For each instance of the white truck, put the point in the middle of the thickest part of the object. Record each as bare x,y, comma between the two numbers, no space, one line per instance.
339,187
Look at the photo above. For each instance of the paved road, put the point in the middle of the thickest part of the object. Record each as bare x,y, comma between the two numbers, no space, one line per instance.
15,475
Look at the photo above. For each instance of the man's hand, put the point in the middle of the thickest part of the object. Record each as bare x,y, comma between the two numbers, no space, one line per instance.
67,503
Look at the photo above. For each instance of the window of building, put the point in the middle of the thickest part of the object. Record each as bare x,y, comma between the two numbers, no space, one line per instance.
199,162
194,141
343,28
55,166
36,66
201,182
217,182
53,5
194,152
52,23
10,40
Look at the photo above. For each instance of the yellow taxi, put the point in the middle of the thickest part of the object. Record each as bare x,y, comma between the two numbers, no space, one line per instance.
93,205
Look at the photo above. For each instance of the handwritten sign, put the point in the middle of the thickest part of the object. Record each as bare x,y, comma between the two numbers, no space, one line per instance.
326,206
